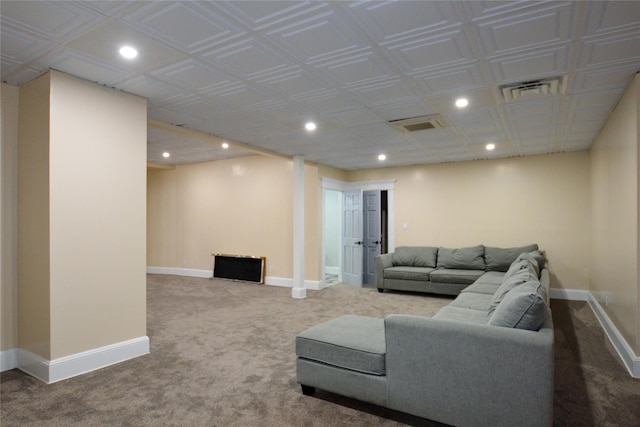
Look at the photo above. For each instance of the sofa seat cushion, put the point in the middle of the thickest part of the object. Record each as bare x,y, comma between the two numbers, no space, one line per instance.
350,342
460,314
481,288
446,275
408,273
491,277
476,301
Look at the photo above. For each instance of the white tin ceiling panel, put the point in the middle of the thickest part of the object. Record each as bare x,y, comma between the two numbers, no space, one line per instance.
168,20
527,29
443,50
542,63
55,21
452,81
255,71
387,21
324,37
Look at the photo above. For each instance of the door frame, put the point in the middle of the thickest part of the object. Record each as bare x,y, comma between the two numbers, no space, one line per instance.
387,185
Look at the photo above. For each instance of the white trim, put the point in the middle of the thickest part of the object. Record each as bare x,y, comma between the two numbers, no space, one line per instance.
569,294
190,272
8,359
331,270
299,290
206,274
629,359
334,184
51,371
288,283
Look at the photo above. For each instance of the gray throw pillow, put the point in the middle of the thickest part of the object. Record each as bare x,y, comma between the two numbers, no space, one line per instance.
524,307
499,259
471,258
517,266
522,276
537,257
415,256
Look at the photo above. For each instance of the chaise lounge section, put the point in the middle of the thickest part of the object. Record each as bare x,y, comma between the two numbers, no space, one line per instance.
486,359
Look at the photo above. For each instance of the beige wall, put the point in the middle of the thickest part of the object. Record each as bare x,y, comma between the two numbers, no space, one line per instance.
240,206
161,218
9,96
614,226
34,311
82,216
504,202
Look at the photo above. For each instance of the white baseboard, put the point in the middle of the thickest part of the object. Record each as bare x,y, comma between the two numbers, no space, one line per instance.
288,283
51,371
206,274
332,270
190,272
569,294
8,359
624,350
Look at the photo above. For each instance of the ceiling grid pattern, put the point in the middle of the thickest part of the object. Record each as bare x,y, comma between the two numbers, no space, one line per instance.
252,72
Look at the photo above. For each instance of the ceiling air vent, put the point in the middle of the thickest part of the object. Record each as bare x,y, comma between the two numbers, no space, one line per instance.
414,124
532,89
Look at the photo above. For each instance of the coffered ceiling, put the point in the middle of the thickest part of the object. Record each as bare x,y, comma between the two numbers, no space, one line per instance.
253,72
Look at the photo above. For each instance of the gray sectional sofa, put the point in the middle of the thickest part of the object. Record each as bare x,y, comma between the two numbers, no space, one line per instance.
441,270
485,359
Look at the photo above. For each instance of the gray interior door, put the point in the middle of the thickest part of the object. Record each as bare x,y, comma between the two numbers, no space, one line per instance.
372,234
352,237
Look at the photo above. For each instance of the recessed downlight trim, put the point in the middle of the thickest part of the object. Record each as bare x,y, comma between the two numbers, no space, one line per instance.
166,154
490,146
310,126
462,102
128,52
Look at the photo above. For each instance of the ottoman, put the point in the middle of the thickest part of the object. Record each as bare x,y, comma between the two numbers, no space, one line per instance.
345,355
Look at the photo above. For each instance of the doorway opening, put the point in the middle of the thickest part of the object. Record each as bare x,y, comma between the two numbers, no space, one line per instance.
356,228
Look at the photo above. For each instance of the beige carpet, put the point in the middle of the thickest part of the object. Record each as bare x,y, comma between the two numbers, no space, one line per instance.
222,354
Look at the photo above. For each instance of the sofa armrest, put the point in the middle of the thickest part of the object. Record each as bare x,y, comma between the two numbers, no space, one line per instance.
467,374
381,262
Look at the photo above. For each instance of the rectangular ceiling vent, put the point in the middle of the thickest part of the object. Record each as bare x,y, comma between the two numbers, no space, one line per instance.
414,124
532,89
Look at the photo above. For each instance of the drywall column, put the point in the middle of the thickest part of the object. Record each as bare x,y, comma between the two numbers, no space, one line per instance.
299,290
82,227
9,224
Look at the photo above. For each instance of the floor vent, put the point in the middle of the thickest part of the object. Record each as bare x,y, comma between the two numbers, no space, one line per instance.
532,89
239,267
414,124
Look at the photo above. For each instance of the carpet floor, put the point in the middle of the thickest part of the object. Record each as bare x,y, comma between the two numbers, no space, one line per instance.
223,354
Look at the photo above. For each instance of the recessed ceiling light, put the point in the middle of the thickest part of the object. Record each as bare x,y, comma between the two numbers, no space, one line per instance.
382,157
462,102
225,145
166,155
310,126
490,146
128,52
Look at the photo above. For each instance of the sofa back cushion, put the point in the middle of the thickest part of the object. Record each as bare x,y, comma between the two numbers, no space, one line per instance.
521,276
499,259
536,257
470,258
415,256
523,307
